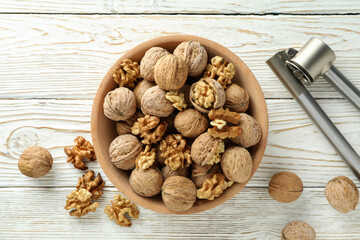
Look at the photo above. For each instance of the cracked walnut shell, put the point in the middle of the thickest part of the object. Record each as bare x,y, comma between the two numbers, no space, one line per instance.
200,173
146,158
207,150
121,206
146,182
178,193
126,73
140,89
81,201
170,72
342,194
35,162
124,127
220,119
298,230
154,103
119,104
221,72
236,164
191,123
177,99
237,99
207,94
81,150
149,60
285,187
124,150
175,151
194,55
213,187
250,132
91,184
150,129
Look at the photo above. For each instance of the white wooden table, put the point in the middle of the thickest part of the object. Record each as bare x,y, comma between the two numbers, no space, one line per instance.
54,53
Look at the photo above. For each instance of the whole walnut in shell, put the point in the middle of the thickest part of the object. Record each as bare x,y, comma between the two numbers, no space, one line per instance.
206,149
124,150
154,103
342,194
35,162
119,104
250,131
146,182
236,164
191,123
200,173
170,72
298,230
285,187
124,127
149,60
237,99
178,193
140,89
194,55
166,172
207,94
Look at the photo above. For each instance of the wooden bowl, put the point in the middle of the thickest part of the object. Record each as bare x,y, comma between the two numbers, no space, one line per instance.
103,130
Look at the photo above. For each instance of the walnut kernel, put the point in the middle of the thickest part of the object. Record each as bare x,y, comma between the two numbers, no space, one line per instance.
237,99
237,164
35,162
298,230
177,99
81,201
146,182
119,207
285,187
213,187
221,118
150,129
149,60
146,158
119,104
126,73
124,150
93,185
221,72
154,103
81,150
191,123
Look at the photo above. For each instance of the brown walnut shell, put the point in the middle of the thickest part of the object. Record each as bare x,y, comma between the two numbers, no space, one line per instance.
200,173
237,99
166,172
119,104
149,60
191,123
140,89
154,103
146,182
250,132
285,187
298,230
124,150
204,148
236,164
124,127
35,162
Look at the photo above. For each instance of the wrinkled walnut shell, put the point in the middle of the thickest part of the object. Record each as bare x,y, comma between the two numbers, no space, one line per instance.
178,193
124,150
35,162
285,187
191,123
166,172
170,72
237,99
149,60
119,104
250,132
204,148
200,173
236,164
124,127
140,89
146,182
154,103
194,55
298,230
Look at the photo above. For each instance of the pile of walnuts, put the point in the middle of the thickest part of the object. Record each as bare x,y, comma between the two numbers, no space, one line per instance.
183,130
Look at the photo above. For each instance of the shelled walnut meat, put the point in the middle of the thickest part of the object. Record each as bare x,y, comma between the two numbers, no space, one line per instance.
35,162
118,209
82,149
237,164
124,150
213,187
191,123
79,202
127,73
91,184
146,182
154,103
221,71
150,128
221,121
119,104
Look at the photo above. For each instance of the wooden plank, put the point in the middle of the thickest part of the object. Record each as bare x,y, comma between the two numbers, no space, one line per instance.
251,214
185,6
294,143
66,56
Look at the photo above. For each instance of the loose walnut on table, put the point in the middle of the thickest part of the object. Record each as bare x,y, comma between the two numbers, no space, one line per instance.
81,201
150,129
91,184
119,208
81,150
35,162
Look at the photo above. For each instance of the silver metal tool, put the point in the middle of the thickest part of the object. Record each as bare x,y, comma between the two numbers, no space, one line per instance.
296,69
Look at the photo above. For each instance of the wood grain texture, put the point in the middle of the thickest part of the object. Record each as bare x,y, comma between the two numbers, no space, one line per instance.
185,6
57,56
294,143
251,214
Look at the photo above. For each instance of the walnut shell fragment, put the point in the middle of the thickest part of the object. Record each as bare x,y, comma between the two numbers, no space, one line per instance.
285,187
81,150
126,73
250,132
237,99
121,206
149,60
119,104
178,193
207,150
35,162
298,230
213,187
154,103
93,185
191,123
221,72
200,173
150,129
124,150
342,194
140,89
146,182
80,200
237,164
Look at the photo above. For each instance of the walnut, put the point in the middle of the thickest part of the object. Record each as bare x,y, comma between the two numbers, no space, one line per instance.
166,172
178,193
150,129
221,72
207,149
146,158
213,187
95,186
237,99
221,118
127,73
285,187
119,104
170,121
298,230
200,173
146,182
170,72
81,150
206,94
35,162
175,151
250,132
191,123
81,201
119,207
342,194
194,55
124,150
140,89
177,99
237,164
149,60
154,103
124,127
186,91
